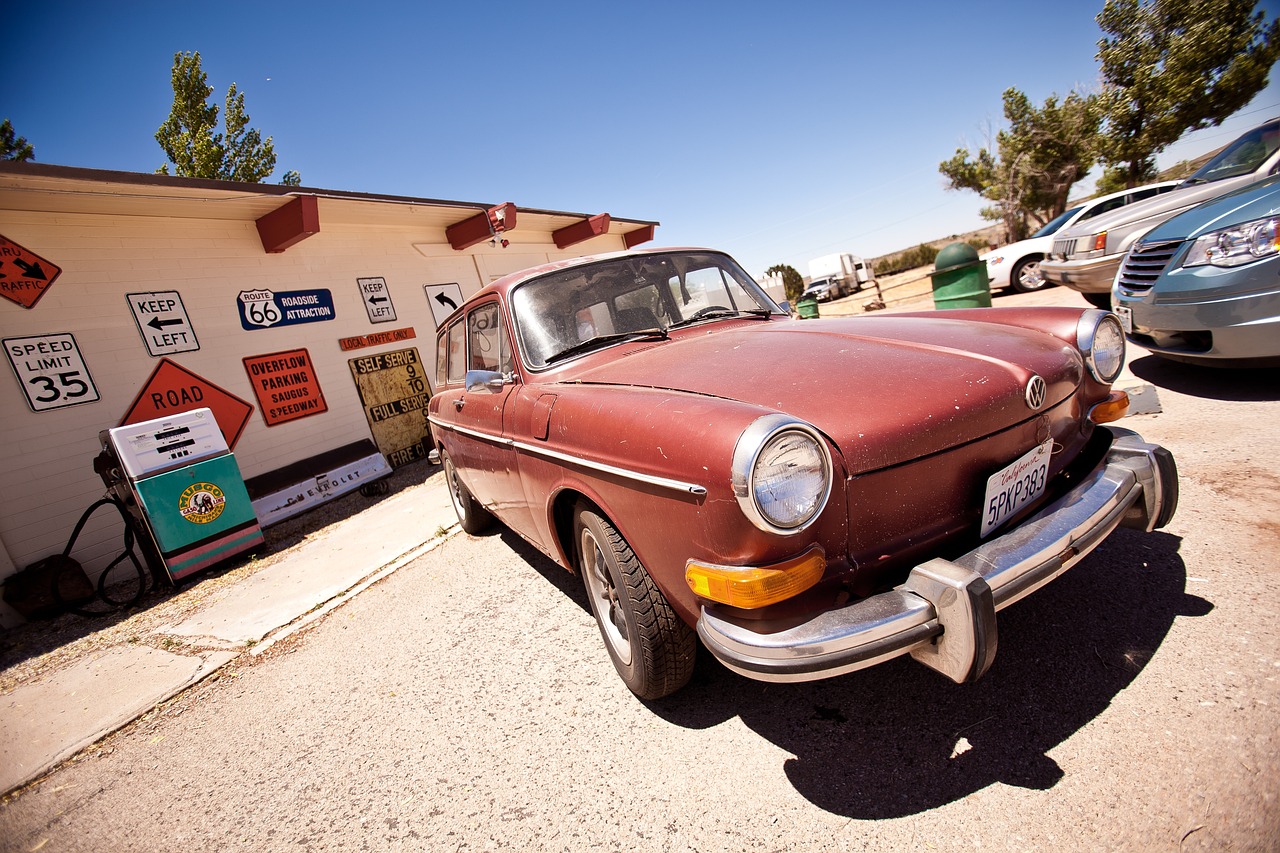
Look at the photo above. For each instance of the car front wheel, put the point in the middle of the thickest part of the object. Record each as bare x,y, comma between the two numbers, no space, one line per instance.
472,517
652,649
1026,276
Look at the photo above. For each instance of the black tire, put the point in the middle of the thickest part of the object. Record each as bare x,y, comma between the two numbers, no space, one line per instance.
1026,277
472,517
1099,300
652,649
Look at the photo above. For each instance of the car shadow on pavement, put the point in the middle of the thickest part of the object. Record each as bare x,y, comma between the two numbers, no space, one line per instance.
899,739
567,582
1245,384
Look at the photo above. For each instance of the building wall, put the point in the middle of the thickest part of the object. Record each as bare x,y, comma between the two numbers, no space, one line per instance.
46,478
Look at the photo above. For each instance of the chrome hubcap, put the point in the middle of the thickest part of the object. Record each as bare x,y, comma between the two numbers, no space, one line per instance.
604,598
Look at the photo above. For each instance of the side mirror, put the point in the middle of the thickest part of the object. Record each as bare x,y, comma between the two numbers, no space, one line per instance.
785,306
490,379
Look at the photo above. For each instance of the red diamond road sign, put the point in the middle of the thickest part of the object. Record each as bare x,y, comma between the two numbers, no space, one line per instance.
24,275
173,389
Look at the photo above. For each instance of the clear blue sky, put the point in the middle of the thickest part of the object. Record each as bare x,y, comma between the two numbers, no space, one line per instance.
775,131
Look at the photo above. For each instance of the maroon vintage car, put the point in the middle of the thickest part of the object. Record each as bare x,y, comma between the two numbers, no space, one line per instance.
807,497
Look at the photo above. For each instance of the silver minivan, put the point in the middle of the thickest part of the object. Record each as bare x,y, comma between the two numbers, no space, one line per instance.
1085,256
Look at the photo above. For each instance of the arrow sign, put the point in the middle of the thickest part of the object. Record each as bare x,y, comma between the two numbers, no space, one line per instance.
24,275
444,299
377,299
32,270
162,321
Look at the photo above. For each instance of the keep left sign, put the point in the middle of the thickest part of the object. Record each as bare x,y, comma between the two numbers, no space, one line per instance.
162,321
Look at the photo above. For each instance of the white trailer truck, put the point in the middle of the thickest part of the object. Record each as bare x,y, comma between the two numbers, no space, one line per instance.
834,276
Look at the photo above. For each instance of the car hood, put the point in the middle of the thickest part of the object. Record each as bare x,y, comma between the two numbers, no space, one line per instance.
1244,205
1155,209
885,390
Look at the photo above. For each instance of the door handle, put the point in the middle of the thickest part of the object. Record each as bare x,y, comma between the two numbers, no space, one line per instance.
458,404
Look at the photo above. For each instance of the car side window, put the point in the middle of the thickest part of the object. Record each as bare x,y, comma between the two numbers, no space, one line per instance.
457,342
442,360
486,342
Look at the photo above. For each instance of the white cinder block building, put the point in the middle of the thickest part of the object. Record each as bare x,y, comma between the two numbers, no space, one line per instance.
304,318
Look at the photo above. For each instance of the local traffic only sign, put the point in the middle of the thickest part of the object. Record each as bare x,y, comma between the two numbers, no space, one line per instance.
377,299
163,322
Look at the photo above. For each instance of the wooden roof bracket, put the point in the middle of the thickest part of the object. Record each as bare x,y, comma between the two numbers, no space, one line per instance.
290,223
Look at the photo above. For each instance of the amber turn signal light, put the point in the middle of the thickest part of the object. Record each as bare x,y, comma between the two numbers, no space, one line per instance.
756,586
1115,407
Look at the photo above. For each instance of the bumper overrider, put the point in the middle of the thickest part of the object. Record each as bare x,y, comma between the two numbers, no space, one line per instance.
944,615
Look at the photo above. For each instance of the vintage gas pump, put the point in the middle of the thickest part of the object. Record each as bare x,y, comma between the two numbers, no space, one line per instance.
180,481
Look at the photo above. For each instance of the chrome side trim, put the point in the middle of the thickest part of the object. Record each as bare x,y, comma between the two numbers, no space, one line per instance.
650,479
1127,488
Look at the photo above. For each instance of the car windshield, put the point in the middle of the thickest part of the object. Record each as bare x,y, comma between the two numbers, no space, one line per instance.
1057,222
565,312
1241,157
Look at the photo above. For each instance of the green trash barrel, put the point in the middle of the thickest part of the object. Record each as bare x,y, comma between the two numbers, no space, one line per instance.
960,278
807,307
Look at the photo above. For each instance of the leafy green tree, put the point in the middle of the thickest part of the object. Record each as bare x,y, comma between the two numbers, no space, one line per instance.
12,146
1042,154
792,281
190,136
1170,66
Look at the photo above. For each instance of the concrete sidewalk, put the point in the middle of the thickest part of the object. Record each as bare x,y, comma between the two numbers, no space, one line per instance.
45,722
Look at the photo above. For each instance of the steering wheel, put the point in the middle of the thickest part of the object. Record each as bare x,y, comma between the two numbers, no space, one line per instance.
710,309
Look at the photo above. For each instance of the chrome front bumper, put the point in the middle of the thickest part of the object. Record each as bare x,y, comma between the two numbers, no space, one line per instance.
944,615
1087,276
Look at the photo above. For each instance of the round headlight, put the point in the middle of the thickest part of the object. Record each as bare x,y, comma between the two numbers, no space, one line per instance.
781,474
1101,342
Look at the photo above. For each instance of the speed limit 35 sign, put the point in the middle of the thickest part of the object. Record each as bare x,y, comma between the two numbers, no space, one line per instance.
51,371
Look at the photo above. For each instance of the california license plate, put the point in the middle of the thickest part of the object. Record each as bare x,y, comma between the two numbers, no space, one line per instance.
1016,485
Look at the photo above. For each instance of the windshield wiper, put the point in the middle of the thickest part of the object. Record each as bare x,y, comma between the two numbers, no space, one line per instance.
708,314
602,340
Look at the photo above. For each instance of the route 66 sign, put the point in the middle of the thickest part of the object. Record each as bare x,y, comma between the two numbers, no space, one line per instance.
262,309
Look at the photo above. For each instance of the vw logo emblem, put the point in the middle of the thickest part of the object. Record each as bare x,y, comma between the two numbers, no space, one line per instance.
1037,391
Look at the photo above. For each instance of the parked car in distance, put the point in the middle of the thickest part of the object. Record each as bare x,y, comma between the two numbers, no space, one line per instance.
807,498
1204,286
1086,256
825,290
1016,266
